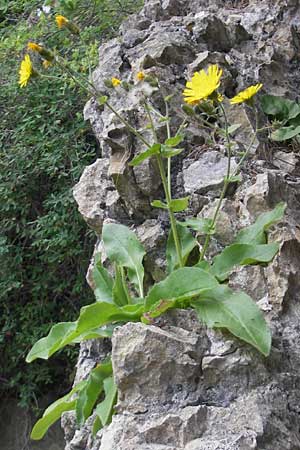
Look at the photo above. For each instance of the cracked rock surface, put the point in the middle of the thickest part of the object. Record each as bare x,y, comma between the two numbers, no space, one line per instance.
182,386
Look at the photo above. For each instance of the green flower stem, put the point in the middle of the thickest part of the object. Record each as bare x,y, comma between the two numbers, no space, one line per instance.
171,214
167,192
169,159
225,186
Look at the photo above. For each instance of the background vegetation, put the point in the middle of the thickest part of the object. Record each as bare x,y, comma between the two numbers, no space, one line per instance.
44,145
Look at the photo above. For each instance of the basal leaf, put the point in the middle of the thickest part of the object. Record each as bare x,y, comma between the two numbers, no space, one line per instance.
89,394
256,233
241,254
236,312
154,150
48,345
103,282
123,248
105,409
285,133
187,244
182,284
279,107
120,291
54,412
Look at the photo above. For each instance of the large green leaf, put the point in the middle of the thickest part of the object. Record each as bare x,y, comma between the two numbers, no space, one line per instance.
241,254
279,107
285,133
123,248
187,244
48,345
103,282
237,312
98,314
256,233
104,410
182,284
54,412
120,292
154,150
89,394
91,318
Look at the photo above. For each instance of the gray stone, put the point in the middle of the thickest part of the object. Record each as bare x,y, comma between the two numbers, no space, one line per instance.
207,173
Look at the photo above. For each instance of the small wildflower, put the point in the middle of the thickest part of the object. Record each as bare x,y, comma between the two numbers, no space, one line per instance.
26,71
47,54
140,76
46,64
34,47
61,21
115,81
202,85
246,95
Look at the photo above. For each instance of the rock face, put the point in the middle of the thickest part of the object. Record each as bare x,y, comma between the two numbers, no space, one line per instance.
180,385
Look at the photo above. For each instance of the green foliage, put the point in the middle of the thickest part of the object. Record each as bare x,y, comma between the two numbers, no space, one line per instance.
44,245
285,114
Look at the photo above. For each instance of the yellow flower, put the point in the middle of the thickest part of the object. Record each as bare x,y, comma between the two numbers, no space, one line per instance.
115,82
246,95
34,47
202,85
46,64
140,76
61,21
26,71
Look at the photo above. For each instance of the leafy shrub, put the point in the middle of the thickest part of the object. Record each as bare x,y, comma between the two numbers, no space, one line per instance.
44,244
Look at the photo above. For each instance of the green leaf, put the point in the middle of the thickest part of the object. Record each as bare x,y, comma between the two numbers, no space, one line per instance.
235,311
241,254
187,244
120,291
179,204
159,204
174,141
103,282
182,284
54,412
102,100
123,248
104,410
91,317
279,107
99,314
91,391
48,345
285,133
169,152
201,225
235,179
256,233
158,309
97,333
154,150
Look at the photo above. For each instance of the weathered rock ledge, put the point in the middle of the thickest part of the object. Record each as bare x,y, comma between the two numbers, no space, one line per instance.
181,386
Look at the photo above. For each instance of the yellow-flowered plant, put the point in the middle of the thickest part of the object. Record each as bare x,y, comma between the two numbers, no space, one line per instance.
115,82
26,71
200,285
246,95
203,85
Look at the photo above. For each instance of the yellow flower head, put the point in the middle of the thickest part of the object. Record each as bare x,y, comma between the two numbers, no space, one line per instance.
26,71
34,47
61,21
46,64
115,82
246,95
202,85
140,76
